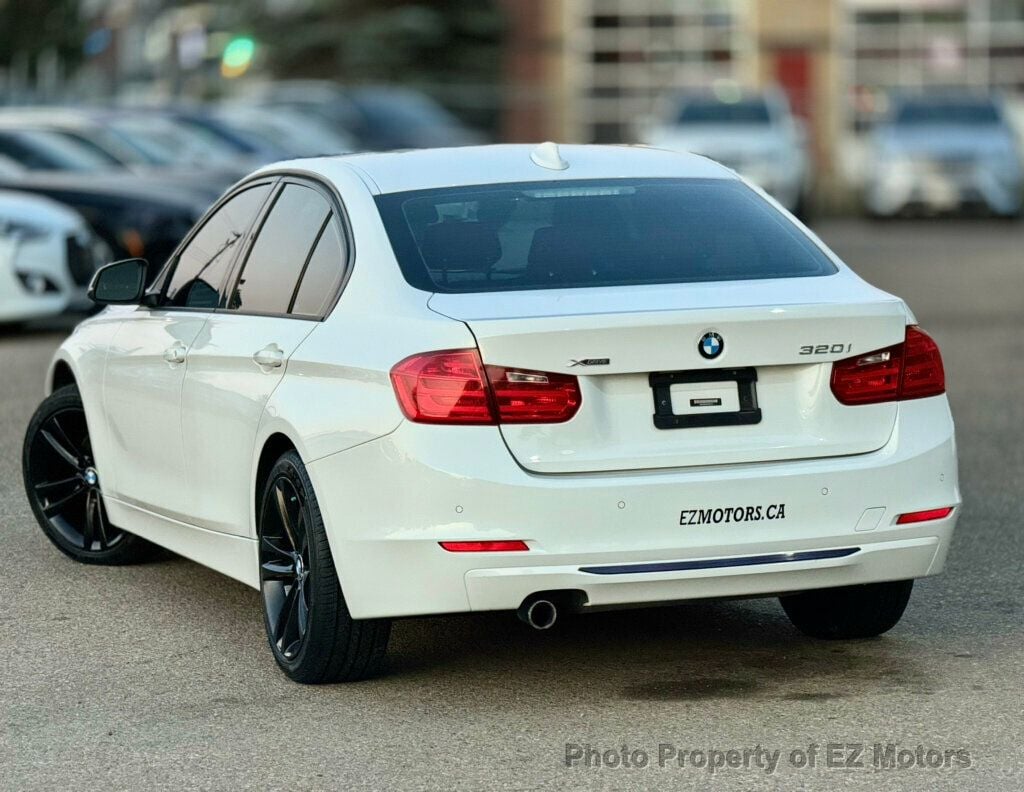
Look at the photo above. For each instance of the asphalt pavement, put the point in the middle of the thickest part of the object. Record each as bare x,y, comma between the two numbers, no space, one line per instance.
158,676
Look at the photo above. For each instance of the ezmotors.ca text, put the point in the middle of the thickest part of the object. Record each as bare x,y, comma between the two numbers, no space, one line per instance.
831,756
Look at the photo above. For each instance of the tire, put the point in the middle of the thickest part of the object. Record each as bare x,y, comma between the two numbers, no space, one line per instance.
311,634
848,612
62,485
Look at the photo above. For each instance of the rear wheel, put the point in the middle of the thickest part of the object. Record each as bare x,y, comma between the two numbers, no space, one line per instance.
312,635
848,612
63,486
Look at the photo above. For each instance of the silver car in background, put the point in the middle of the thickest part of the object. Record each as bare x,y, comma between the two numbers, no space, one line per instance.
944,153
755,134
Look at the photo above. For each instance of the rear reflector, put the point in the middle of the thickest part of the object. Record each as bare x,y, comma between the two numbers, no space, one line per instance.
924,516
911,370
484,547
454,387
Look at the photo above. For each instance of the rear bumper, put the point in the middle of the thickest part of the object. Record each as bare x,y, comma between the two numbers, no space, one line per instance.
389,502
732,576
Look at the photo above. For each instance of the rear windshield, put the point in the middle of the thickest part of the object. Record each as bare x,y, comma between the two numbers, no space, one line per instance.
746,111
548,235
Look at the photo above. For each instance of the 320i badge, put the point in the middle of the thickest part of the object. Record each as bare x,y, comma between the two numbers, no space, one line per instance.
426,382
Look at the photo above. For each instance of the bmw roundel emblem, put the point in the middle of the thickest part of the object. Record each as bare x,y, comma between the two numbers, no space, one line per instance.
710,345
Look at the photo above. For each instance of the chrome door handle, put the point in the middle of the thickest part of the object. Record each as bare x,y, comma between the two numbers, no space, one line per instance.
175,353
271,356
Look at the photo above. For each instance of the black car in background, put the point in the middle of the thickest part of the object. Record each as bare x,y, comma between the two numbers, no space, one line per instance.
134,216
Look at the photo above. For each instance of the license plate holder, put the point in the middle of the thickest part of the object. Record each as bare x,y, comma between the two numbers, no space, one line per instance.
746,392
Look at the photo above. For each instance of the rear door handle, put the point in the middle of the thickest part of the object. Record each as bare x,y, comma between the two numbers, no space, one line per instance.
271,356
176,353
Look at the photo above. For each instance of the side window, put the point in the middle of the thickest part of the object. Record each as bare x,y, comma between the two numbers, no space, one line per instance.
323,273
278,255
203,263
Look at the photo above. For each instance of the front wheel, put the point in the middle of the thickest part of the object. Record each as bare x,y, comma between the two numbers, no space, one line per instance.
848,612
63,485
312,635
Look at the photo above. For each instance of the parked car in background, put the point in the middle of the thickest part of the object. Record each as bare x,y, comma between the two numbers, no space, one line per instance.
943,153
379,117
755,134
290,131
143,142
38,148
48,255
247,145
134,216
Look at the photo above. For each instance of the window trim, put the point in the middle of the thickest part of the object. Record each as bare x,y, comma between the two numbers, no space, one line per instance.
158,291
338,215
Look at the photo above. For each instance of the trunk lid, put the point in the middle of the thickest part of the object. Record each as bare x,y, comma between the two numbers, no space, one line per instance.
785,333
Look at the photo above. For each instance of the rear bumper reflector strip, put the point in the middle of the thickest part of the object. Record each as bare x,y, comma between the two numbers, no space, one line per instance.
721,563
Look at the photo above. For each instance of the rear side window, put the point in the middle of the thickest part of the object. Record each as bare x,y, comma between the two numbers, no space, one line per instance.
323,273
203,264
548,235
278,256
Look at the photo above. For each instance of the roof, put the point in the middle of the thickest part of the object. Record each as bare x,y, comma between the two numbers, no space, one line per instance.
422,169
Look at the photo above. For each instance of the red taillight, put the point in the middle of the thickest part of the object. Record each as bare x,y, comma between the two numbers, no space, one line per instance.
485,547
923,374
454,387
924,516
533,396
443,387
911,370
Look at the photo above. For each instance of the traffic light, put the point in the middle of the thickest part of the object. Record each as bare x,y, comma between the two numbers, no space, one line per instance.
237,57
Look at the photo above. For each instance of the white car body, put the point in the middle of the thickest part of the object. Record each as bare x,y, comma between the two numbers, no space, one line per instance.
48,253
185,406
772,154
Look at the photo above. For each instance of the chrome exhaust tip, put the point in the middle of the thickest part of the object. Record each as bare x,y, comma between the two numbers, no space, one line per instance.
541,614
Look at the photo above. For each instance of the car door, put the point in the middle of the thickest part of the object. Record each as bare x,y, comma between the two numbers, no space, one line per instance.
146,362
241,356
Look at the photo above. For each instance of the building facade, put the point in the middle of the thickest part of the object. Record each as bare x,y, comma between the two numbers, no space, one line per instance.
601,67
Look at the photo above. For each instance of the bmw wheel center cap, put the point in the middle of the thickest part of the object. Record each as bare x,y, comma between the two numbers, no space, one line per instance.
710,345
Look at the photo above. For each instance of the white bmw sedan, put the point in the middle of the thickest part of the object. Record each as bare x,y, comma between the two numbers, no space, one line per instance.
502,378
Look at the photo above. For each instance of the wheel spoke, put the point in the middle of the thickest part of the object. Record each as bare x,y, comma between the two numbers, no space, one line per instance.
49,485
65,438
89,534
285,617
101,521
62,452
55,506
276,549
300,529
303,609
282,512
277,570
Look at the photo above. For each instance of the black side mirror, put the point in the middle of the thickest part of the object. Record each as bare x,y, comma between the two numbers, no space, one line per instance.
120,283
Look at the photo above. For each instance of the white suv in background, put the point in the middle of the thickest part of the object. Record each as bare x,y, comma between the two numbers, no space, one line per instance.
755,134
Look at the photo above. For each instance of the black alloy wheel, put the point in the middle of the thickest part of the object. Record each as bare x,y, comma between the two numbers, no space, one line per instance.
63,485
311,633
284,566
